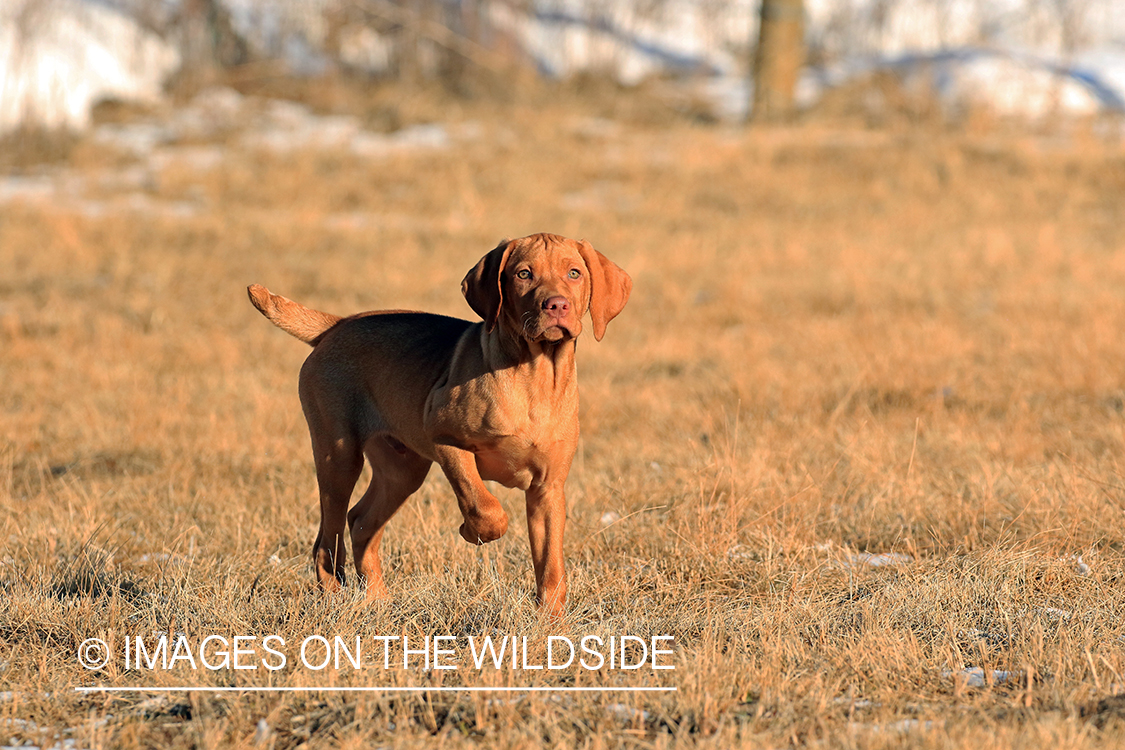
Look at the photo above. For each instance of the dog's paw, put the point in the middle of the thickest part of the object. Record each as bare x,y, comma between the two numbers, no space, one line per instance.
483,529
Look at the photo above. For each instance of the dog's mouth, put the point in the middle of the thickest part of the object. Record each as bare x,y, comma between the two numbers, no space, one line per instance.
555,333
551,330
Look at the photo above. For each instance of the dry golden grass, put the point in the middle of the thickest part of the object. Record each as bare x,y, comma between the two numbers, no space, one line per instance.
840,340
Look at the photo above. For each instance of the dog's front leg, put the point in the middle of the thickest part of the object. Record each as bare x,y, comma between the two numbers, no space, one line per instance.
546,519
485,519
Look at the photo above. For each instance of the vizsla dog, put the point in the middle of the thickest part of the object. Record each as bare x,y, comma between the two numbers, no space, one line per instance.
496,400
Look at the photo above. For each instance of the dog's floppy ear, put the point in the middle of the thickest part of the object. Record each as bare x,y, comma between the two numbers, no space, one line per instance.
609,287
481,285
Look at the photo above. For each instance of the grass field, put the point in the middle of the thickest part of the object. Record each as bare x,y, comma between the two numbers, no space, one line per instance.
842,339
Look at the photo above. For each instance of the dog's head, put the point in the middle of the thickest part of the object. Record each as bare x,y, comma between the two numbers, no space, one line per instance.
540,286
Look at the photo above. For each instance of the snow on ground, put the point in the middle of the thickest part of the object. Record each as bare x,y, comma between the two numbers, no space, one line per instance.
60,57
1021,58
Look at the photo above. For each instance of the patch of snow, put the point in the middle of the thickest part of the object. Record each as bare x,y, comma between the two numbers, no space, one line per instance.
1054,613
1077,563
60,57
975,677
14,188
262,732
741,552
137,138
903,726
877,560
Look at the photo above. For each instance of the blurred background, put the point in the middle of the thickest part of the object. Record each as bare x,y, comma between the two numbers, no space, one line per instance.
723,60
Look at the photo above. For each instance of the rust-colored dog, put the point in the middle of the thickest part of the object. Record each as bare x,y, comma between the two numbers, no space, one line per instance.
496,400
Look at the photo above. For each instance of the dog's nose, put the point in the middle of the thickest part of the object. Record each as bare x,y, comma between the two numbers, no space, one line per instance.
556,306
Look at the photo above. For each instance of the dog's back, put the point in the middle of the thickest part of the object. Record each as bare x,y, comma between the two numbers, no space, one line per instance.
372,373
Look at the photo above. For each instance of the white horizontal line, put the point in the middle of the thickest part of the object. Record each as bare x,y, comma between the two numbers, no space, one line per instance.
186,689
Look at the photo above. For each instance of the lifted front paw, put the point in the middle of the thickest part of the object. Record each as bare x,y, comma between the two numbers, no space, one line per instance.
483,529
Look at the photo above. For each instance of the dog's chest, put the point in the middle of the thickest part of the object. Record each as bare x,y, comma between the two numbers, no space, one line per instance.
518,434
511,468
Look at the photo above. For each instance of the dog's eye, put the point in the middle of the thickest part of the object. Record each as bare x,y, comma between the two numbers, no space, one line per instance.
523,274
574,273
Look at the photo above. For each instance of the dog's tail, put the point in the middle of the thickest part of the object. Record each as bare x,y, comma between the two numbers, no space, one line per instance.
292,317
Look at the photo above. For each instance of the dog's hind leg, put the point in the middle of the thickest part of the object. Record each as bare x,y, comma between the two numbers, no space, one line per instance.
338,464
396,473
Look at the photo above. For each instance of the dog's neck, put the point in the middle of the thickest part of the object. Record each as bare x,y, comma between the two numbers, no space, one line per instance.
552,363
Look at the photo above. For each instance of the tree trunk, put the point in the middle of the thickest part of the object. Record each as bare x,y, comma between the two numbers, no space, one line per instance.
778,59
208,42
